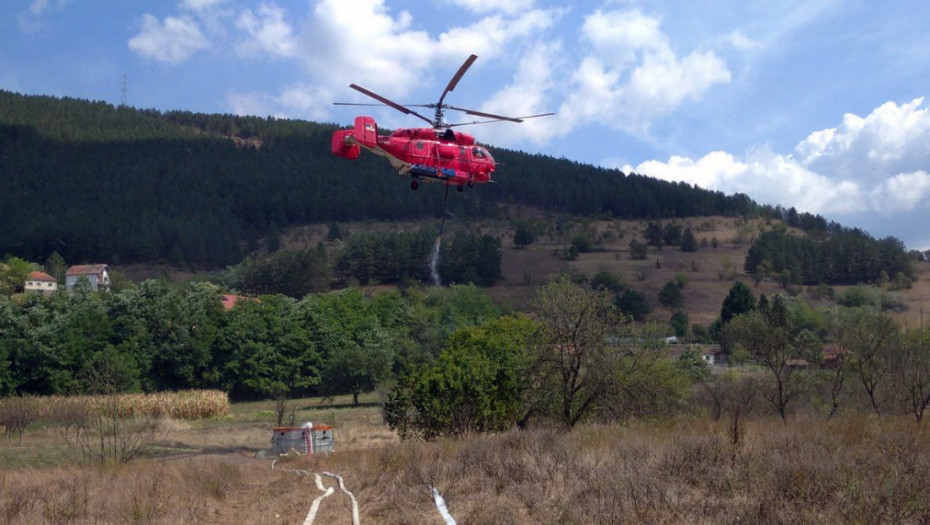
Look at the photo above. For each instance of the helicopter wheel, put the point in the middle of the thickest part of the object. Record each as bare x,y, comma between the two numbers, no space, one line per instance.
460,188
471,184
414,185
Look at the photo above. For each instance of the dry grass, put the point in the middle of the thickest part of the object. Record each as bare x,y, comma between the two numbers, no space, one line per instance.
852,470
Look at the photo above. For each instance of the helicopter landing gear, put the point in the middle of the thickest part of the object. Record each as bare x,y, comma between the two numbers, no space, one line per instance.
414,185
460,188
471,184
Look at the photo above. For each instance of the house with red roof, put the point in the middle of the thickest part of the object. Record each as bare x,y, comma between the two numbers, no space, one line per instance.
41,282
97,274
230,300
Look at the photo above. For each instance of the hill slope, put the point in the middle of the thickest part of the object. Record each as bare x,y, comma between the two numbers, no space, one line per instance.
117,184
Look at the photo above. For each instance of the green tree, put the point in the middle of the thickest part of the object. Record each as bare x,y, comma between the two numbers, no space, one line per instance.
356,368
56,267
607,280
633,303
679,323
13,275
739,300
688,241
692,362
334,233
671,234
477,383
654,234
266,350
638,250
671,295
523,234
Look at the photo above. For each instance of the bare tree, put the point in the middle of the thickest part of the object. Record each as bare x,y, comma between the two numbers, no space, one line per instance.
16,413
913,371
872,338
578,363
99,435
837,374
773,342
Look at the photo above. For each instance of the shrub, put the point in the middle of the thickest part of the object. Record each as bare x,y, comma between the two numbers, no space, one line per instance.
16,413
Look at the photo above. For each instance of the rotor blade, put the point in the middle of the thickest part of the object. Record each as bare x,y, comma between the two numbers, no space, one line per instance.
498,120
356,104
382,105
388,102
458,76
483,114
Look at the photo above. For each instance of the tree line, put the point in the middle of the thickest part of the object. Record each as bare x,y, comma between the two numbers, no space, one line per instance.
846,256
155,337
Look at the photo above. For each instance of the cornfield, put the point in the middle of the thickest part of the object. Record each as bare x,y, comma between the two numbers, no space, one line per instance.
184,404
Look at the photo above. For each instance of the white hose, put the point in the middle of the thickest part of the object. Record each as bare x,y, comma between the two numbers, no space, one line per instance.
441,505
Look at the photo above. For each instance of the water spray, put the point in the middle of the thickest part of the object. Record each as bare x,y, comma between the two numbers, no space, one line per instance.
434,258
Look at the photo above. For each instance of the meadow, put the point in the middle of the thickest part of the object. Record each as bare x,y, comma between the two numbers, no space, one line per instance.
855,468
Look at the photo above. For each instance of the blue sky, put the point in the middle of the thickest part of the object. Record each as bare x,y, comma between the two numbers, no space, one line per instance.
817,104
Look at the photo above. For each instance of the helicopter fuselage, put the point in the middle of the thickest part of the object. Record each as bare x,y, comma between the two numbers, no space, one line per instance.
430,154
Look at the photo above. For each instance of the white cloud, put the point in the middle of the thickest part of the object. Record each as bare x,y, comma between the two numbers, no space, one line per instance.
40,7
363,42
528,94
201,5
765,176
486,6
740,41
172,41
268,32
618,36
632,75
901,192
865,165
260,105
32,18
892,139
304,101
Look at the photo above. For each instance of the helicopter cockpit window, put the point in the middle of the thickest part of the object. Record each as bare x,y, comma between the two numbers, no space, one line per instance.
419,144
479,153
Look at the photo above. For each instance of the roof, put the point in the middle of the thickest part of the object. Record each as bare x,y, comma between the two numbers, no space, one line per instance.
833,351
86,269
41,276
291,429
230,300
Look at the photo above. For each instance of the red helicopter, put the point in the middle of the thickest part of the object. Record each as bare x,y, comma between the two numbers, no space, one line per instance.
429,154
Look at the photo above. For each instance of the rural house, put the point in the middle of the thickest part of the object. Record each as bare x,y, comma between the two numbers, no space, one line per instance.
41,282
97,274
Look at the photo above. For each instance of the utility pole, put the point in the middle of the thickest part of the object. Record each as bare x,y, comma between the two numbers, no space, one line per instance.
124,87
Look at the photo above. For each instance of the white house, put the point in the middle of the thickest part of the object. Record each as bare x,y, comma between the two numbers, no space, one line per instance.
41,282
97,274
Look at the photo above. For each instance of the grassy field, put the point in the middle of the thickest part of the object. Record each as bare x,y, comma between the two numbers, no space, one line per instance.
858,469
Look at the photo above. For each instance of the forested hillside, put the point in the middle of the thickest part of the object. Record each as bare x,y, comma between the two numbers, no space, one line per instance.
117,184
